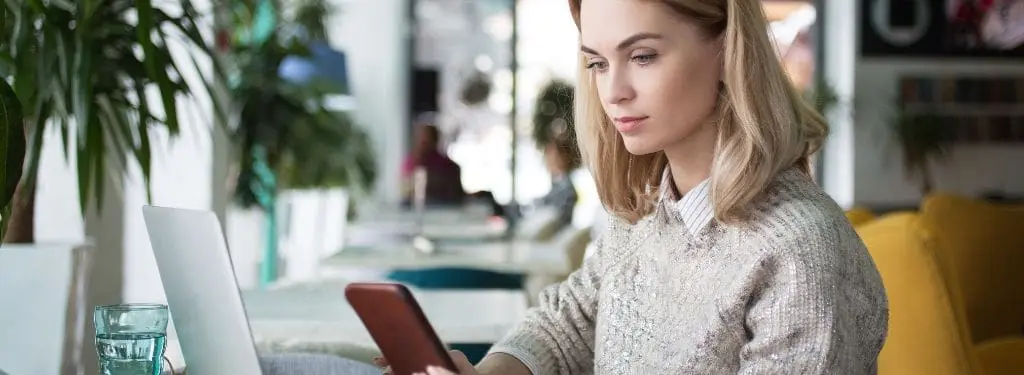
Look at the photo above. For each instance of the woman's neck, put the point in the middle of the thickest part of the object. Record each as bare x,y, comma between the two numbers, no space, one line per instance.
690,160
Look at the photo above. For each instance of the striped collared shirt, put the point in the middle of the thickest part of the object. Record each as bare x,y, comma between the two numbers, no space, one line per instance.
694,208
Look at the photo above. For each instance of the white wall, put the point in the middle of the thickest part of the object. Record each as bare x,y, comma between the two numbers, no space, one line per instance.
970,169
374,34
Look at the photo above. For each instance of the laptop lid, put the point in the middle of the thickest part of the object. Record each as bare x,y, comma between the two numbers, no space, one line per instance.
202,292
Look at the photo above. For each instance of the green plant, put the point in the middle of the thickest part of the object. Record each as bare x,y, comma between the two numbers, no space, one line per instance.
553,117
823,96
305,144
92,70
311,16
12,141
921,137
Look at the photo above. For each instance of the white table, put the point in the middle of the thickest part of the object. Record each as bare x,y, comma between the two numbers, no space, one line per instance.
512,257
373,231
321,320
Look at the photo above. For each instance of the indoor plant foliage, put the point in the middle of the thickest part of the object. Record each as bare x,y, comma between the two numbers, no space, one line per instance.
284,127
553,113
102,75
822,96
12,140
921,138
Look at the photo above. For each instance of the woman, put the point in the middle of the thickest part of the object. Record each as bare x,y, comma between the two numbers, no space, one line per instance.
724,256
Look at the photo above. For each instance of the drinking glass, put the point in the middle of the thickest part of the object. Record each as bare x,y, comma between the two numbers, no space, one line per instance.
130,338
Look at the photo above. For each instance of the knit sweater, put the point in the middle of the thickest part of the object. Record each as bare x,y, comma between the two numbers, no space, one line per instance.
790,290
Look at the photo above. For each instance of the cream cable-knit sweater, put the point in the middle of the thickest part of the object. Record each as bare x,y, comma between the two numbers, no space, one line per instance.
792,291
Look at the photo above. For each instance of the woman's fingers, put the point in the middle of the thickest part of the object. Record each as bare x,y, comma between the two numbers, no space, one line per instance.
383,364
434,370
462,364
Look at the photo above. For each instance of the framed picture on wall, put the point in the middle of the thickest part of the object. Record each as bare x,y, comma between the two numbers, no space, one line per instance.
942,28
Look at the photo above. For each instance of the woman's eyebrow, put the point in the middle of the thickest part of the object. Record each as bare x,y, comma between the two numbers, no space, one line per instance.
625,43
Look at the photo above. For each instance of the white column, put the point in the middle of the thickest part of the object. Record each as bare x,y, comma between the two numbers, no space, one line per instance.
840,54
374,35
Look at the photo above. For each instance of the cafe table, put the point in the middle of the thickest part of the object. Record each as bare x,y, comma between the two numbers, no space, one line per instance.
320,320
316,318
520,257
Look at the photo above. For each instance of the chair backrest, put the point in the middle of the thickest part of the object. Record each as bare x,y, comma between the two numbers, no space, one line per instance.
926,336
980,247
43,294
860,215
540,226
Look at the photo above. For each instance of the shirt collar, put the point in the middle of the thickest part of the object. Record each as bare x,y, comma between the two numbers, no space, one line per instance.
694,208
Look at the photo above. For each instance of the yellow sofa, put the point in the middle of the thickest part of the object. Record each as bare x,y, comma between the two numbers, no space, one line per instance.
860,215
929,332
925,336
980,247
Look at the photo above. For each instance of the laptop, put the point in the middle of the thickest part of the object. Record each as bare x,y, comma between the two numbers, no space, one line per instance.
202,292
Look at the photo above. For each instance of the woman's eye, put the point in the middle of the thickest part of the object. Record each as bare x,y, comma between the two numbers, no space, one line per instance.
644,59
598,65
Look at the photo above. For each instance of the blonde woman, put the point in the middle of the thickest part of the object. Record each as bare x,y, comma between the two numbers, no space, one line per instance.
725,257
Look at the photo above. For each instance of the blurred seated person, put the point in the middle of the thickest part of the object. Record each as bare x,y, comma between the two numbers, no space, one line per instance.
444,176
561,157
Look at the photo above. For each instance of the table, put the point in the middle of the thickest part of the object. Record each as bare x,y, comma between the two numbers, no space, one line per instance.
321,320
511,257
373,231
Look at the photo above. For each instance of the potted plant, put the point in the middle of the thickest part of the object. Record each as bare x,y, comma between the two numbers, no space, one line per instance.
90,69
286,136
922,138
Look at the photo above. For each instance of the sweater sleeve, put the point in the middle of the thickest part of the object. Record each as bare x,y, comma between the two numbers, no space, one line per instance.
557,336
810,311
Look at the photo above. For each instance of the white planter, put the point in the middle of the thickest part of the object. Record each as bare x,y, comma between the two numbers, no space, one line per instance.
245,235
312,227
46,312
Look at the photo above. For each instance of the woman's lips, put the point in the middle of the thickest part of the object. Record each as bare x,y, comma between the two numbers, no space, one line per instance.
628,124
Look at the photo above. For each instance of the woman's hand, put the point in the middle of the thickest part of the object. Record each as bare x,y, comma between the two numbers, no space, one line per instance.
461,364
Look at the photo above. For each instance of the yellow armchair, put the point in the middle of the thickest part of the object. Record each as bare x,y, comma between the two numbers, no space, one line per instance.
860,215
925,335
980,247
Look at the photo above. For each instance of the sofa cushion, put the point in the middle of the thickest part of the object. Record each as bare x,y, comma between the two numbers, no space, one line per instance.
860,215
925,336
980,246
1002,357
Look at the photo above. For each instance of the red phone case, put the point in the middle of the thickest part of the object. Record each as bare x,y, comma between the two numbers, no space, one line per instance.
398,326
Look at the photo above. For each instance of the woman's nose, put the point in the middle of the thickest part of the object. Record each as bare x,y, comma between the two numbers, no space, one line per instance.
619,87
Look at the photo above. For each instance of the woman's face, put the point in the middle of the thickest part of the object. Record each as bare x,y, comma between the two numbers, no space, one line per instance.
657,74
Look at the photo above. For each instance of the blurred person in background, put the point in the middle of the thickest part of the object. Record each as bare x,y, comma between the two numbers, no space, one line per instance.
561,157
444,176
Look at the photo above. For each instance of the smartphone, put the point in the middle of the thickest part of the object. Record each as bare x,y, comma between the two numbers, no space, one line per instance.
398,327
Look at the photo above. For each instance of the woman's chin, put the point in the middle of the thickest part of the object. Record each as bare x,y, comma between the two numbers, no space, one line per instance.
640,147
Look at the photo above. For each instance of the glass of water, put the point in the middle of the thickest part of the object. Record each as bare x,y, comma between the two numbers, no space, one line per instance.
130,338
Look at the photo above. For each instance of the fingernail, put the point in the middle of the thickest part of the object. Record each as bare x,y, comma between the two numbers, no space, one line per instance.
434,370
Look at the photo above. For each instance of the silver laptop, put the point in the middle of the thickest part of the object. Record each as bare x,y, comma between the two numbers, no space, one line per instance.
202,292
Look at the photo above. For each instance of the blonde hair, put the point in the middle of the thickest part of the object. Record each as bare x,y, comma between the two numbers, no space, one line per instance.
764,125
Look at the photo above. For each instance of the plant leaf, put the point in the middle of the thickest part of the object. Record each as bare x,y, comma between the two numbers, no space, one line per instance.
145,30
12,142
